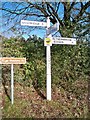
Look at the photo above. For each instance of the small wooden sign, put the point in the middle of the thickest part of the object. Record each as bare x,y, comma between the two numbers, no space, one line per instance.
12,60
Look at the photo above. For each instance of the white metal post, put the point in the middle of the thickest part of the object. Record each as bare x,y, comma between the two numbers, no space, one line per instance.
48,57
12,85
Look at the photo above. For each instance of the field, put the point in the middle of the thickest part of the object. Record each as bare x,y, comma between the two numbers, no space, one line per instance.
30,102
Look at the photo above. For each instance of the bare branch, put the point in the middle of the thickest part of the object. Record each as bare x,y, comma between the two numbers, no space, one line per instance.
82,11
55,14
73,16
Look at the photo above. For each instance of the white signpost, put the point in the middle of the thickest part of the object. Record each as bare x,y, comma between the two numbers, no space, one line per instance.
48,54
49,40
11,60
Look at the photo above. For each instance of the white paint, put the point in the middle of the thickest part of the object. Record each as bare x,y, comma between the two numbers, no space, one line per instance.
53,28
62,40
33,23
48,59
12,85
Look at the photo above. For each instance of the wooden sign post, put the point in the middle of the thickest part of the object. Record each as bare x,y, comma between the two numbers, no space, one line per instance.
12,61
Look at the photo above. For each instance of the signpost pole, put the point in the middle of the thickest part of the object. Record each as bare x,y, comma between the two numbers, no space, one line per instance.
12,85
48,59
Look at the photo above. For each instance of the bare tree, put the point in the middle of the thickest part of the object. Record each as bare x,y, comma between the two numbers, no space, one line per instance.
73,16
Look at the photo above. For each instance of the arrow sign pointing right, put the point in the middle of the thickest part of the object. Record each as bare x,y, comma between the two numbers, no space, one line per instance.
62,40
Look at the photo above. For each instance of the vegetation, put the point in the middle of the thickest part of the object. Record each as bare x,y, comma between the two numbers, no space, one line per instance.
70,74
69,63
